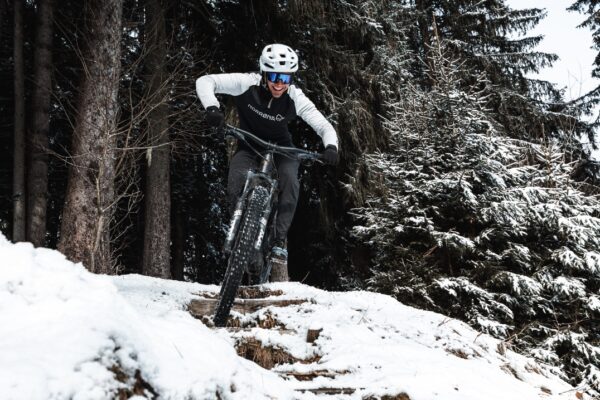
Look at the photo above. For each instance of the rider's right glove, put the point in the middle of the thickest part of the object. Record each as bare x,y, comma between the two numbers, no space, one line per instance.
215,117
330,155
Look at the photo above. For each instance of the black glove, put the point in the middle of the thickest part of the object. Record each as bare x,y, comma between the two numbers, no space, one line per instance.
330,155
214,116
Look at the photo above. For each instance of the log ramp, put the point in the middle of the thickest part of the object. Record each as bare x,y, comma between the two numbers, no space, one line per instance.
255,298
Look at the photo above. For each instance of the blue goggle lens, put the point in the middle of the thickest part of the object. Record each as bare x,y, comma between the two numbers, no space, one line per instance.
279,77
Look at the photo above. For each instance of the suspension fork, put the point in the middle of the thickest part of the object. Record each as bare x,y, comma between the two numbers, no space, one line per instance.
265,170
264,221
237,214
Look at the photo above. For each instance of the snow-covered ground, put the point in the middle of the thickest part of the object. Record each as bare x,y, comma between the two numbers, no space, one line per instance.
68,334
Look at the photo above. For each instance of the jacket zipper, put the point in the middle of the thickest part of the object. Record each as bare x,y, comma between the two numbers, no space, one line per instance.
269,105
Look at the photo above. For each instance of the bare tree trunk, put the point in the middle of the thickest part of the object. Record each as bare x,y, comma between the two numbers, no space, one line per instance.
2,10
42,89
424,24
157,234
90,195
178,244
19,197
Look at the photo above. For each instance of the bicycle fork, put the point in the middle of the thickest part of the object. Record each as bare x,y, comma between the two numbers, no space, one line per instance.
251,176
237,216
264,221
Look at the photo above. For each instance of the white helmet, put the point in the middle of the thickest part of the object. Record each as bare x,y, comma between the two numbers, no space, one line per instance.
278,58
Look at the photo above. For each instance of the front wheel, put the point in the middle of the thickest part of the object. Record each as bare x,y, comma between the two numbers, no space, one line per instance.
241,254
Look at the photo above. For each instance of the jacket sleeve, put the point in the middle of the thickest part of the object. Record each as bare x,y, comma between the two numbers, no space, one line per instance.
232,84
306,110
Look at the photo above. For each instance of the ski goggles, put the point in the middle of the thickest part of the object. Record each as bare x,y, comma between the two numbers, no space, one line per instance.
279,77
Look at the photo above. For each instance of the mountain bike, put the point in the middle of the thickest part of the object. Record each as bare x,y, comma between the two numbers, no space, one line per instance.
253,220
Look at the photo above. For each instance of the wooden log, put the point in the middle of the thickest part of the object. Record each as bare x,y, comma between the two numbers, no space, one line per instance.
309,376
236,329
334,391
246,292
201,307
312,335
329,391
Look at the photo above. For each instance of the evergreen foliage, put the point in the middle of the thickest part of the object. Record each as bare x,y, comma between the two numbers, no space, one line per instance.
482,35
588,102
591,8
468,221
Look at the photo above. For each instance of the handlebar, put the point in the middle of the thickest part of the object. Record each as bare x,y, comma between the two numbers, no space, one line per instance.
294,152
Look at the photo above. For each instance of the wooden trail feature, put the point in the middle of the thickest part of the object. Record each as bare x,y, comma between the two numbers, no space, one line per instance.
251,299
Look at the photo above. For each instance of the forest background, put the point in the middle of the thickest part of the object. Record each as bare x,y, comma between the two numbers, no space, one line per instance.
463,186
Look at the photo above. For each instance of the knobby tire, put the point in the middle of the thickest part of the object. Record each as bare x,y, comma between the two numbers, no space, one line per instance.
241,254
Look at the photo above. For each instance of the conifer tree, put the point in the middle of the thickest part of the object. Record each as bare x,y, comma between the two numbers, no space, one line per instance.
590,168
157,232
467,221
355,55
481,33
89,203
591,9
37,182
19,165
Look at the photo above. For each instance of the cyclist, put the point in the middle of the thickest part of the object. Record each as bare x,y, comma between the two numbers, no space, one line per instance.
266,102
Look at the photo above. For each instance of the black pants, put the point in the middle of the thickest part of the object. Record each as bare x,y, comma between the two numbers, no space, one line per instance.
289,186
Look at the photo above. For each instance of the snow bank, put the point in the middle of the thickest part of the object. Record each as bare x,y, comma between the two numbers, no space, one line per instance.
69,334
62,329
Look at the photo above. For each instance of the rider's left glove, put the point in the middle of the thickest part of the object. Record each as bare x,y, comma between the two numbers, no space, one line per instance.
215,117
330,155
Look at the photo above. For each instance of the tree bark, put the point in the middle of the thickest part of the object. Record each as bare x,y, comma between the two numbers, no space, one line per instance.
157,233
42,89
19,196
424,24
2,10
90,195
178,231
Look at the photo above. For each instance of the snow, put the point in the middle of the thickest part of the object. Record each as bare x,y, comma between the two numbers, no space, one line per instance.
65,332
593,303
569,287
520,284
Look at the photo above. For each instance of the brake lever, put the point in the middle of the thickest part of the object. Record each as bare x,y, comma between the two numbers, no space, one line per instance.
310,159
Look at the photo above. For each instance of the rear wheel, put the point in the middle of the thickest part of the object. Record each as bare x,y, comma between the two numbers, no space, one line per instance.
242,253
